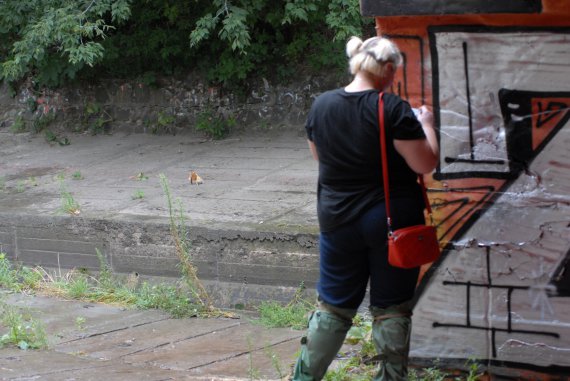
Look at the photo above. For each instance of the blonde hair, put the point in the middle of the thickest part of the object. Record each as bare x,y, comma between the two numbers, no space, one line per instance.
372,55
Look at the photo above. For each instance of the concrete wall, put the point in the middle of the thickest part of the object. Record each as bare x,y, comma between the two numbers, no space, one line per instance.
498,80
133,106
238,268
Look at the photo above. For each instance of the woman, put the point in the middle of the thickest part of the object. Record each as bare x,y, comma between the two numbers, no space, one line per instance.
342,128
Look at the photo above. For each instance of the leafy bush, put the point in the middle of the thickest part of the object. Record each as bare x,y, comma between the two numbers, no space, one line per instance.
52,40
215,126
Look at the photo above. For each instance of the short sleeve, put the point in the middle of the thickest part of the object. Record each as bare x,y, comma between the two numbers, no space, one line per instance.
405,125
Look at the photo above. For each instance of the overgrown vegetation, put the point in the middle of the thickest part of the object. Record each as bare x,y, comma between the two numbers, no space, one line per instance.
164,124
55,41
215,126
182,245
19,125
95,118
104,287
187,298
362,363
24,331
68,203
294,314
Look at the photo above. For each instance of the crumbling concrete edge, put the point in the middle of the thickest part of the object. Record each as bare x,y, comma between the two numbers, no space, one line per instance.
239,267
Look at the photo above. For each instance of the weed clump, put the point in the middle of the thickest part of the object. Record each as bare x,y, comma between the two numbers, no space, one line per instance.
24,331
294,314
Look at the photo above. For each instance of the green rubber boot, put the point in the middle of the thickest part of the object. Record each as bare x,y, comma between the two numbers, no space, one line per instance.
391,334
324,338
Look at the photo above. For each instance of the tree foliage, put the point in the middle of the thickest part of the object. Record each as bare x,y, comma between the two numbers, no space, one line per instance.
229,40
54,39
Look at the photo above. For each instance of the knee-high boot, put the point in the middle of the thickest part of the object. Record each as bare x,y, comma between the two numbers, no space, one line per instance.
325,336
391,334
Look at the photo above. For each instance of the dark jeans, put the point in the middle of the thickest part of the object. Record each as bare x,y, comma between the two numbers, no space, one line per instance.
357,252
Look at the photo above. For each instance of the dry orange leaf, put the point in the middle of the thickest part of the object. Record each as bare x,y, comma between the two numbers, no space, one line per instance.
194,178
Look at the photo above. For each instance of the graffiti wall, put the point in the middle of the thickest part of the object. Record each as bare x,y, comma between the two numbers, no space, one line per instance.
497,75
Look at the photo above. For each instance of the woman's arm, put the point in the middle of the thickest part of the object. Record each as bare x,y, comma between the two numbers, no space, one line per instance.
313,149
421,154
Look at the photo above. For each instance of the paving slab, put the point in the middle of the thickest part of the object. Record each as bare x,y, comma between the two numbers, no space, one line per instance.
124,344
111,167
202,351
144,337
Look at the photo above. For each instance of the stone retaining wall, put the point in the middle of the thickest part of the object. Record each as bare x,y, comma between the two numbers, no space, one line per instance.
133,106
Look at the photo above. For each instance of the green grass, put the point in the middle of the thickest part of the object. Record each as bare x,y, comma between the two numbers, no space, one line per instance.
105,287
20,186
186,297
140,176
294,314
361,365
23,331
68,203
138,195
19,125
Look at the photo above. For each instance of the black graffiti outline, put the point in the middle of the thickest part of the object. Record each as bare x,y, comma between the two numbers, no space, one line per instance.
512,173
490,285
432,270
551,113
472,159
561,277
516,105
468,94
420,42
463,201
405,75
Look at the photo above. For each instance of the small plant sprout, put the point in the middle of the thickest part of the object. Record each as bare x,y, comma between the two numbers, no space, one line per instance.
137,195
253,372
19,125
80,323
68,203
140,177
20,186
77,175
23,331
164,123
275,361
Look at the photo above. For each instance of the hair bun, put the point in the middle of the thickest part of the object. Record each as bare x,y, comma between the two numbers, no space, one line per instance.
353,46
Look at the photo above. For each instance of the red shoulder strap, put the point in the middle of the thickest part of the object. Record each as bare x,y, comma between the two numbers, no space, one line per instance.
384,157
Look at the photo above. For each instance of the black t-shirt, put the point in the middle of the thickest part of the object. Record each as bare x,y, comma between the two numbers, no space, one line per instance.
344,128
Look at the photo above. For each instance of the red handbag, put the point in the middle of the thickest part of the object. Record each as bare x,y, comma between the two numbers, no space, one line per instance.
411,246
